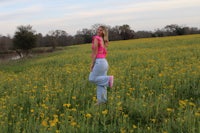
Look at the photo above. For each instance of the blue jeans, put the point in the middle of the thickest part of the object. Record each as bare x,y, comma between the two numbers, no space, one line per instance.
100,78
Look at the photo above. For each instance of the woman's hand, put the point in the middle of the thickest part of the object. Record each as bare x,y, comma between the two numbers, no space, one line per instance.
91,67
106,43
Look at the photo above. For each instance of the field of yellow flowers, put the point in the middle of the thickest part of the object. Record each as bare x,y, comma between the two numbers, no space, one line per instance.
156,90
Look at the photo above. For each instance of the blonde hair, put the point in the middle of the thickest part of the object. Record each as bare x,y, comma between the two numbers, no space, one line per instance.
105,33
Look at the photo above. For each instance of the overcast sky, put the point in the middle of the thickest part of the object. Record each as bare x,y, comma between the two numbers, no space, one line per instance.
74,15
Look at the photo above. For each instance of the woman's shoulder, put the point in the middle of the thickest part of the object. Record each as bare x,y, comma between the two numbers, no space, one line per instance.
96,37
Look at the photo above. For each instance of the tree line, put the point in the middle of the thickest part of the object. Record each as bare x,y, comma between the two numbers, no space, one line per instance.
26,38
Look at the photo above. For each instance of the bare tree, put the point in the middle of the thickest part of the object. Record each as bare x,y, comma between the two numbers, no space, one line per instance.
5,43
126,32
114,33
143,34
86,34
39,40
59,38
78,39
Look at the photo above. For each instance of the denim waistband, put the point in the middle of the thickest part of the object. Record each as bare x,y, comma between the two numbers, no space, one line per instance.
100,58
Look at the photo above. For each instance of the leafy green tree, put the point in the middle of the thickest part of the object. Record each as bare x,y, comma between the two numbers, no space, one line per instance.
175,29
24,39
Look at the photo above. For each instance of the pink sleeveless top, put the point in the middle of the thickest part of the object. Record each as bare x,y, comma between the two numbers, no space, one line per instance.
102,52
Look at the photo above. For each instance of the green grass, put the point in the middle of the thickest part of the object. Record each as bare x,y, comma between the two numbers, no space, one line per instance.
156,89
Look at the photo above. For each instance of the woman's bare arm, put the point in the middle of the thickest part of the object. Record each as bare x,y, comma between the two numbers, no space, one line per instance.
94,52
106,43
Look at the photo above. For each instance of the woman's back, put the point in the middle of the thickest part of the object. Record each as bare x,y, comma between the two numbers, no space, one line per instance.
102,52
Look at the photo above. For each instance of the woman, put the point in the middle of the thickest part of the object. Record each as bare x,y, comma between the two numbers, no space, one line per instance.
99,66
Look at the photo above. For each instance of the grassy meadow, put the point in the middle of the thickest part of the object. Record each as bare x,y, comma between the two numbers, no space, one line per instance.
156,89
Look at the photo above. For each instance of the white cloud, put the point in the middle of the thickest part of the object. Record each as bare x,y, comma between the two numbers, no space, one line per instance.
20,14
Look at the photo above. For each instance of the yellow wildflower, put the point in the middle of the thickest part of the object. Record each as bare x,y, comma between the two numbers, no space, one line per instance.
67,105
120,108
105,112
73,123
73,109
131,89
57,131
125,115
32,110
42,115
134,126
197,114
170,110
122,130
74,97
192,104
118,96
160,74
119,103
70,117
153,120
44,123
55,120
62,115
88,115
94,99
182,102
52,123
55,116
